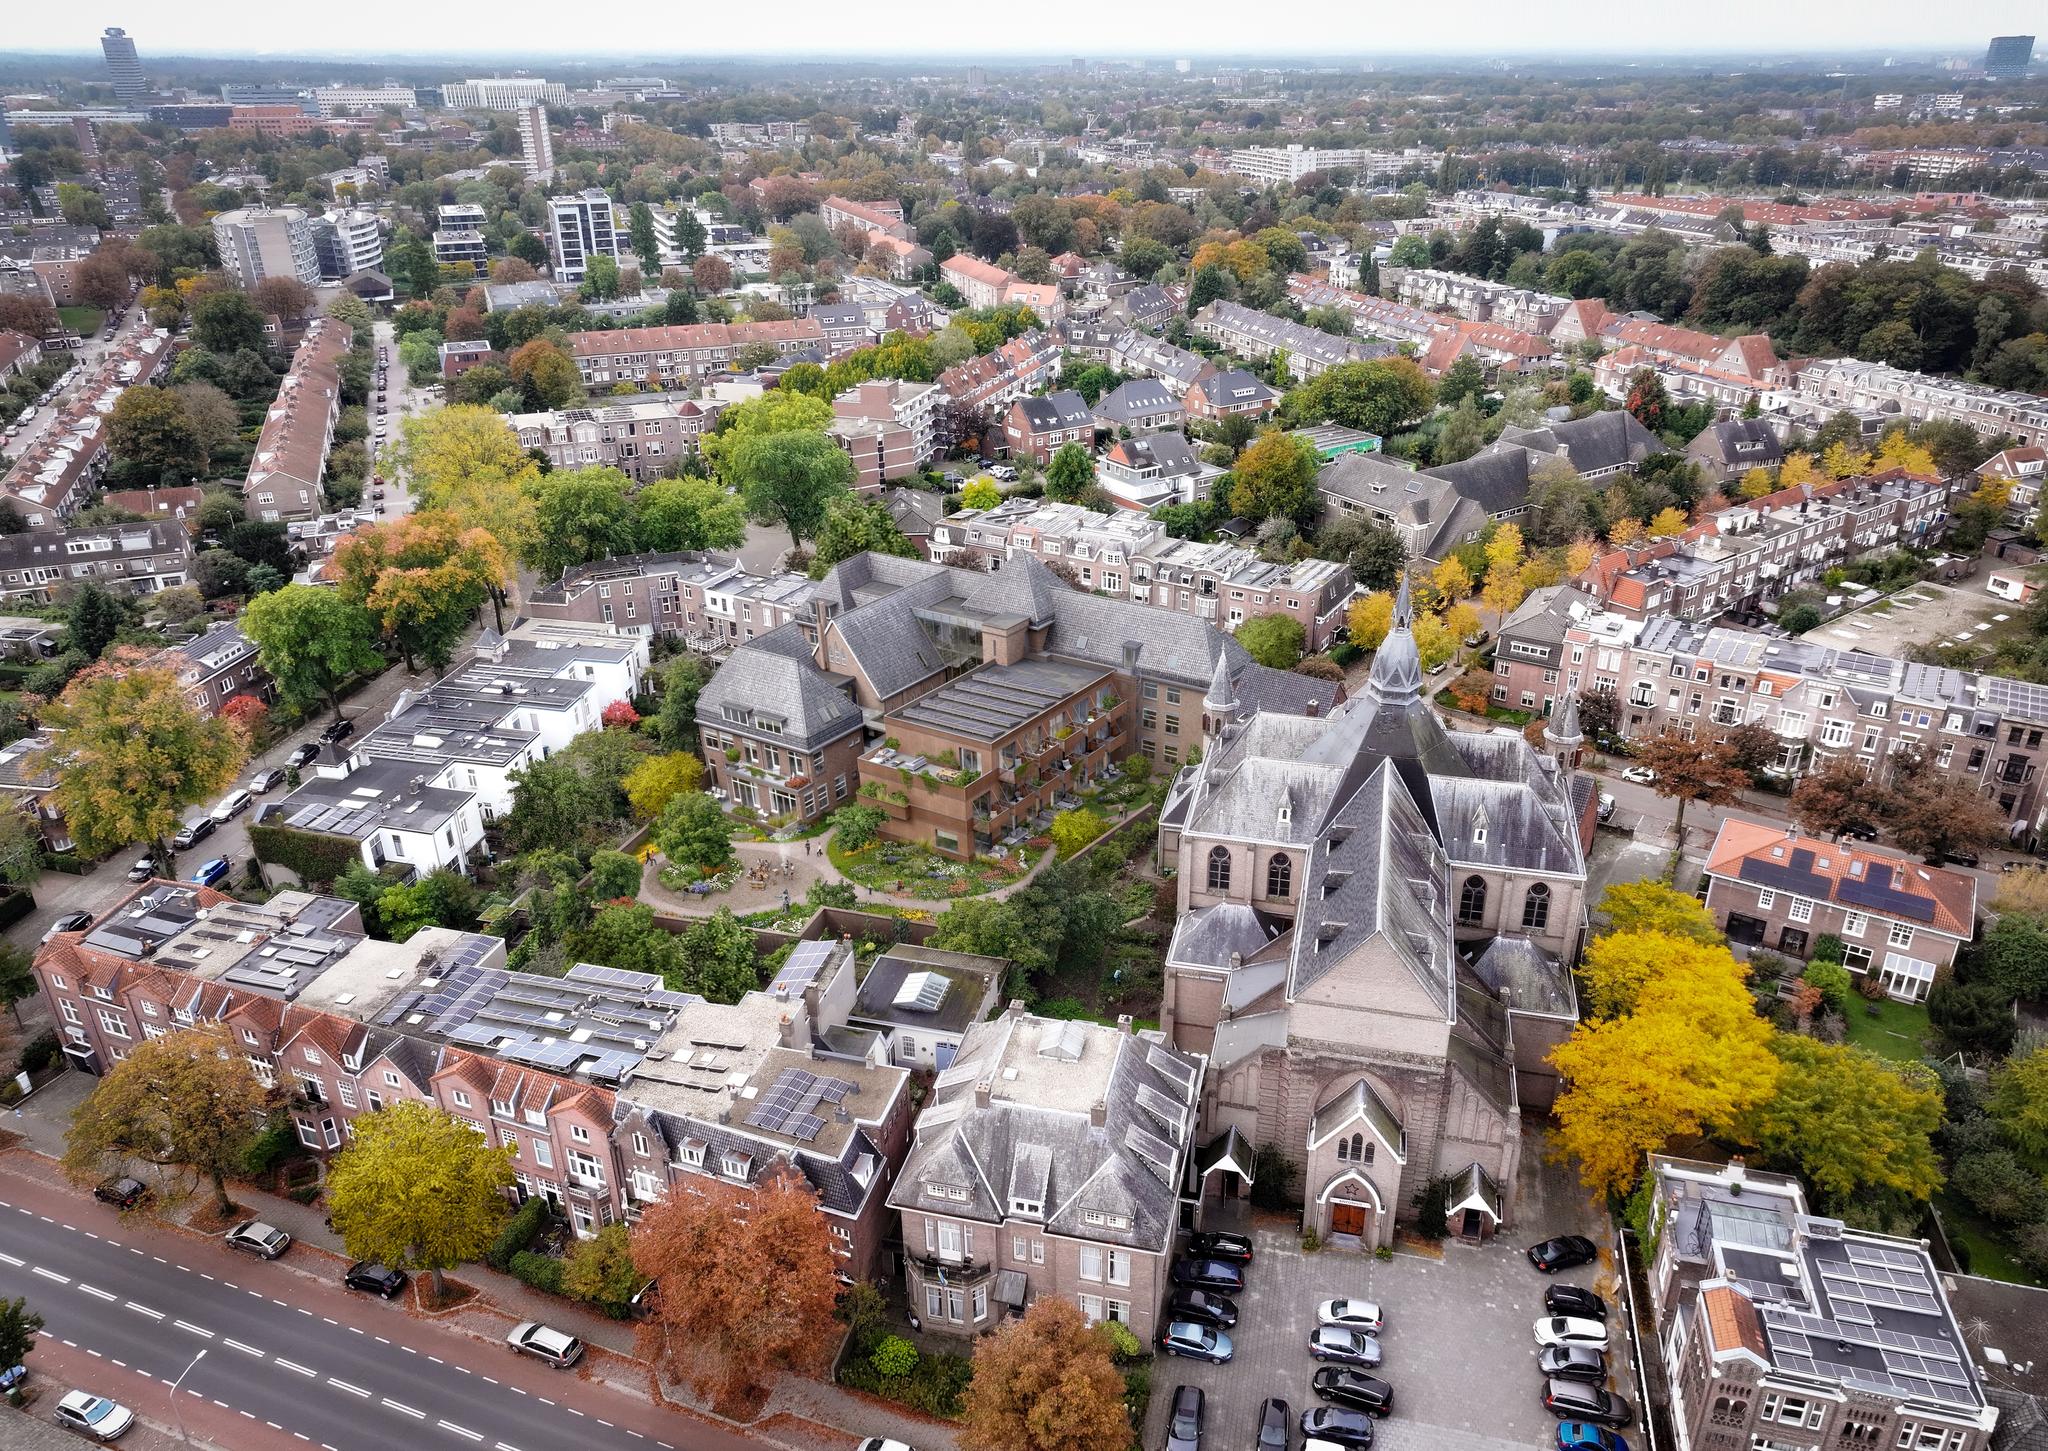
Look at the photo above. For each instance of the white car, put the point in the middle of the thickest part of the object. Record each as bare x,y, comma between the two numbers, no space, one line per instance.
93,1416
1641,775
1570,1330
1351,1315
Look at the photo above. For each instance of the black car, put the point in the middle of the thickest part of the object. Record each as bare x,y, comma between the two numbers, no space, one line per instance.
1573,1400
1562,1253
1573,1362
121,1193
1574,1300
1957,856
1184,1421
1354,1388
300,754
1207,1275
1233,1247
193,832
374,1278
1335,1423
1201,1307
1274,1432
69,922
339,730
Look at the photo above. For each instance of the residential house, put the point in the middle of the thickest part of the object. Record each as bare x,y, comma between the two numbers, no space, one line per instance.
709,600
459,358
1141,405
1235,393
290,461
679,355
1158,468
885,217
1727,450
643,437
29,782
1249,333
779,737
2021,470
181,504
1038,428
1430,513
216,667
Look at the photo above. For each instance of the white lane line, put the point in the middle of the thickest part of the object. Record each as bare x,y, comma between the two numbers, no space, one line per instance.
274,1300
245,1349
205,1276
10,1259
572,1410
158,1258
506,1446
49,1274
94,1353
95,1292
222,1404
544,1400
282,1364
488,1381
122,1363
606,1424
72,1343
462,1431
436,1359
402,1408
90,1235
342,1385
514,1389
273,1425
145,1310
195,1329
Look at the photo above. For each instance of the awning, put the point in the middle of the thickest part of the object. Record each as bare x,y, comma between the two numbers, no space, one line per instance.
1230,1152
1473,1188
1010,1288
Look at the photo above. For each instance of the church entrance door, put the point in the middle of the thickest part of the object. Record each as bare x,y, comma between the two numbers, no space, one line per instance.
1348,1219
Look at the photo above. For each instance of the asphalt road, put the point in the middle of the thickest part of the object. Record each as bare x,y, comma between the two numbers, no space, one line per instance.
288,1349
402,399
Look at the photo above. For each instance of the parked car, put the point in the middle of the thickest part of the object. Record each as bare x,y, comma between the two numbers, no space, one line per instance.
94,1417
1574,1300
193,832
265,780
11,1377
1233,1247
300,754
266,1241
1957,856
1346,1347
1581,1402
1184,1420
1004,472
1362,1315
1562,1253
338,730
212,871
232,805
374,1278
1585,1436
121,1193
143,869
1860,831
1607,804
1196,1342
1477,638
1274,1431
1207,1275
1354,1388
882,1443
1570,1330
1204,1307
1344,1426
543,1342
69,922
1641,775
1574,1362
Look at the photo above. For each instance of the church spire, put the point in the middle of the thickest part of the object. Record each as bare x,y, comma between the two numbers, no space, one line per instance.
1563,736
1219,706
1396,666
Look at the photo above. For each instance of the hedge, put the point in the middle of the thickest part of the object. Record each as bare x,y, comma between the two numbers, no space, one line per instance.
310,855
520,1231
15,904
542,1272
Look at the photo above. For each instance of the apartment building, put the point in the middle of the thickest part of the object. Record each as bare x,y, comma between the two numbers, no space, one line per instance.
1475,298
216,667
290,462
1898,920
1782,1328
348,242
1288,164
1038,428
260,242
1823,703
341,100
277,122
536,145
136,559
885,217
745,134
581,226
503,94
460,236
983,284
709,600
907,411
681,355
1827,386
1089,1130
1250,333
778,737
644,438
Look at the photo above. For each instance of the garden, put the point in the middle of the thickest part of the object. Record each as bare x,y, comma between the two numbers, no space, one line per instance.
911,869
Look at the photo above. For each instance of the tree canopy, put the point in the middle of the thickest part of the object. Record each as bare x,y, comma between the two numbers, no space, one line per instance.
416,1189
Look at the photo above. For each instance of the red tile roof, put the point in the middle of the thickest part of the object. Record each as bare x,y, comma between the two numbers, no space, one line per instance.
1952,894
1732,1321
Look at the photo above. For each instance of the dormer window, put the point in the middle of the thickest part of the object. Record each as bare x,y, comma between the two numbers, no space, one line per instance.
501,1107
692,1155
1032,1208
735,1166
1479,831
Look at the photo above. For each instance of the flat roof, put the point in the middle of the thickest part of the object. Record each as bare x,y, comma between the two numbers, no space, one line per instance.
997,700
969,983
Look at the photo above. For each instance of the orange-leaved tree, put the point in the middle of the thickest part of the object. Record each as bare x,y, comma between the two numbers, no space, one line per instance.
1047,1382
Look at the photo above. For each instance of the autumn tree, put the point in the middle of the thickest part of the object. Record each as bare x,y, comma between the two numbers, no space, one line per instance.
422,578
545,374
711,274
1849,1122
655,781
1619,966
287,297
580,516
313,641
1838,795
1756,483
789,478
468,461
1652,906
2019,1099
1369,617
601,1269
1045,1382
188,1098
1647,399
1275,477
745,1285
1689,771
418,1190
1451,580
130,752
151,431
1931,813
1504,560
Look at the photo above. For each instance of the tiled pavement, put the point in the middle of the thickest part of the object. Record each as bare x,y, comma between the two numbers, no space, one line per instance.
1459,1349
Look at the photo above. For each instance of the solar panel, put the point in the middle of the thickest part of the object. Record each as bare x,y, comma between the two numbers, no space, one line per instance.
1154,1150
1796,875
1875,890
618,977
1170,1067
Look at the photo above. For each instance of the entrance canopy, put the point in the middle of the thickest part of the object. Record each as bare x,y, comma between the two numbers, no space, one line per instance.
1473,1188
1229,1152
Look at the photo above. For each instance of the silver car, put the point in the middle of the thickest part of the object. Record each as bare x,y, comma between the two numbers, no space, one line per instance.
1345,1347
93,1416
544,1342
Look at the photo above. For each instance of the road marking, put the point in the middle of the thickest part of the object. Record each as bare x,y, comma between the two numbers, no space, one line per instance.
88,1234
49,1274
145,1310
195,1329
606,1424
72,1343
342,1385
382,1341
462,1431
404,1409
205,1276
94,1353
273,1300
95,1292
245,1349
282,1364
158,1258
222,1404
514,1389
13,1261
436,1359
273,1425
488,1381
544,1400
506,1446
572,1410
122,1363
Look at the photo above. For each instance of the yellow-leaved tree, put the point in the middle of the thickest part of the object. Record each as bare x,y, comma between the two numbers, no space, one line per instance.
1370,617
1897,451
1653,906
1844,460
1756,483
1668,523
468,461
1452,581
1625,531
1797,469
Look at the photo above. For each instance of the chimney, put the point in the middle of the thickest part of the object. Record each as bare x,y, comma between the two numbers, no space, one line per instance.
1098,1113
1131,658
982,1090
1735,1173
1015,1009
787,1031
1123,1024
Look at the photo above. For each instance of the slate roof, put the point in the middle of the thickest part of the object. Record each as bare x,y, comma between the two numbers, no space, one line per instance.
1208,937
1234,389
1525,977
777,678
1749,441
1497,479
1608,439
1063,409
1136,399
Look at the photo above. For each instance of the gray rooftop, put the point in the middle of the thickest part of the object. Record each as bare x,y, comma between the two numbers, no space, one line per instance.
996,701
928,988
379,795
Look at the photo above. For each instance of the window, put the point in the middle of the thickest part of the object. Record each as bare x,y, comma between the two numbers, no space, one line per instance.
543,1153
1536,908
1853,924
111,1024
1766,900
1901,935
1091,1308
1354,1150
1119,1267
1279,876
1472,902
579,1133
640,1145
1091,1262
459,1098
1219,869
1801,910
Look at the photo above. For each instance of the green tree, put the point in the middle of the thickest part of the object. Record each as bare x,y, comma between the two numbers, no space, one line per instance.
553,805
94,617
313,642
776,411
980,494
1070,474
719,960
614,874
188,1098
1276,478
1072,830
675,722
600,279
600,1269
677,514
1463,379
151,431
1380,396
225,322
18,1327
2019,1099
651,784
646,246
1410,250
854,525
693,831
1849,1121
580,516
854,825
1274,640
2015,956
1462,435
416,1189
994,929
788,479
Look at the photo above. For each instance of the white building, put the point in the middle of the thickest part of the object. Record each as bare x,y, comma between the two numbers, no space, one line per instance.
260,242
536,146
503,94
581,226
337,100
357,240
1290,163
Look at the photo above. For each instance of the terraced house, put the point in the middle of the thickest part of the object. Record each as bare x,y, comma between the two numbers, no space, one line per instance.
290,462
681,355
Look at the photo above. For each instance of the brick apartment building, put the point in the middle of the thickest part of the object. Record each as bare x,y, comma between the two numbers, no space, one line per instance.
708,600
643,438
137,559
1038,428
290,461
887,425
883,217
681,355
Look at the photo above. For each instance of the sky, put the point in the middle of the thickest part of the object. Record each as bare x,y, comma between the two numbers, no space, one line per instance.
1214,28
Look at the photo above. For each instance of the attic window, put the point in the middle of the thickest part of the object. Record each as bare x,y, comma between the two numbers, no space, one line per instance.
1105,1221
1034,1208
1479,831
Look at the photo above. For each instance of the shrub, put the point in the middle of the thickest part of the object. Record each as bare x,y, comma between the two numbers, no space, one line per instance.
39,1053
1871,986
525,1225
857,826
542,1272
2000,1187
310,856
614,874
1831,980
894,1357
1123,1341
269,1149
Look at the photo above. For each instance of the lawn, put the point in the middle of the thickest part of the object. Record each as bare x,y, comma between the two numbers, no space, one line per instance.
85,321
1987,1250
1897,1030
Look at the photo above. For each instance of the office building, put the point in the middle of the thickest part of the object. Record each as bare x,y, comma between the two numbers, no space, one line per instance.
123,67
2008,57
341,100
580,227
501,94
260,242
536,147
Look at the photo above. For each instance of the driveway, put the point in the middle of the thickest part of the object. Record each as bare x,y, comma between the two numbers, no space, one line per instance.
1458,1342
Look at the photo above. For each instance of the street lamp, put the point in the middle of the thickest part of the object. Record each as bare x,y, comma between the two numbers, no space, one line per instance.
176,1409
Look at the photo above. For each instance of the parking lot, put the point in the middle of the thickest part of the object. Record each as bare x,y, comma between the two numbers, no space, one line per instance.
1458,1344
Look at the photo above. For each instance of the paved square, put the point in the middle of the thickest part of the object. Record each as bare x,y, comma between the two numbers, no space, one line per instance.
1459,1348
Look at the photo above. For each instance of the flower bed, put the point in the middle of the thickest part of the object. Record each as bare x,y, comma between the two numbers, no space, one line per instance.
908,869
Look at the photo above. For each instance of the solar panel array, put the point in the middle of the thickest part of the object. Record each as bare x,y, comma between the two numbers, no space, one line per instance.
2014,697
1910,1365
1793,875
788,1107
806,960
1875,890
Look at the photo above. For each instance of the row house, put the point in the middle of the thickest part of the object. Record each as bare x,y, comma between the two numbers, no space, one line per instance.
883,217
1500,350
1249,333
216,667
902,260
1141,405
1038,428
683,354
1827,386
1751,357
290,460
1130,556
2021,471
1149,357
643,438
1686,380
845,325
1899,921
1475,298
710,601
985,285
1023,365
136,559
56,475
1380,317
